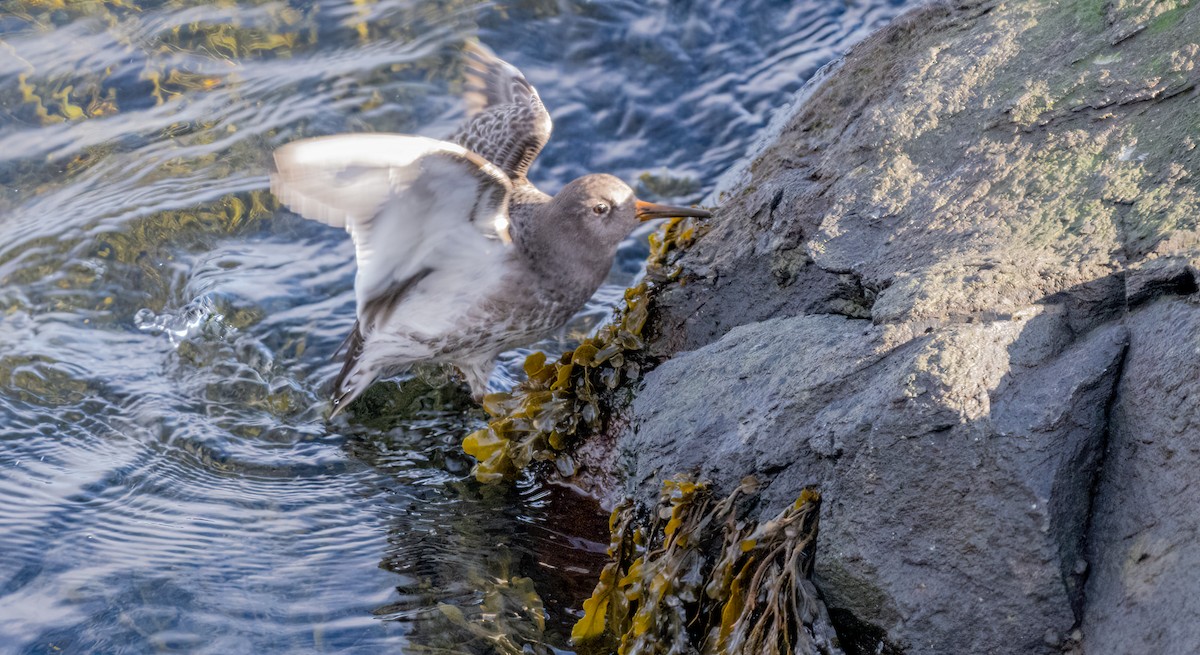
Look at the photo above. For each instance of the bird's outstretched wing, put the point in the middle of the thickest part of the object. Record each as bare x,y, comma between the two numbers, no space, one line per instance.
506,121
417,208
401,198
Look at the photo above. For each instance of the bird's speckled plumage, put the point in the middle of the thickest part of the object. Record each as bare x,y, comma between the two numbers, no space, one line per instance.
459,256
506,121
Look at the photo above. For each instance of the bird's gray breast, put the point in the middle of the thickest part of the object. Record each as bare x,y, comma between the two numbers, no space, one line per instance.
520,310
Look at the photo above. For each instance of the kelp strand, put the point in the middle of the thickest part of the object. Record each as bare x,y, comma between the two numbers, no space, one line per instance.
663,593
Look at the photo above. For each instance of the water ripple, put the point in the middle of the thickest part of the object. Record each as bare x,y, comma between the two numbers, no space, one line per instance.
170,482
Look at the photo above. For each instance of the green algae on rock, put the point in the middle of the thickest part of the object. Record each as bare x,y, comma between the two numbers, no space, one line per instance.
664,592
559,400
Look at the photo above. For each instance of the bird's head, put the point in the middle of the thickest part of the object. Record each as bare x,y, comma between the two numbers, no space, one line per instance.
607,208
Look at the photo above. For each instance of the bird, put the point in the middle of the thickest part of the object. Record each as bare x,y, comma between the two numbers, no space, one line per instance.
459,256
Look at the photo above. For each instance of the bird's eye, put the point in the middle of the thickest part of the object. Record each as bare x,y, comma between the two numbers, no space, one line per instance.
600,209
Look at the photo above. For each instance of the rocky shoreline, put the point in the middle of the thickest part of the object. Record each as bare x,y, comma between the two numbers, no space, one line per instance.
955,291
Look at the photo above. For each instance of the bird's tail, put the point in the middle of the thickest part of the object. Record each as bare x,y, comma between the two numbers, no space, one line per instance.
354,378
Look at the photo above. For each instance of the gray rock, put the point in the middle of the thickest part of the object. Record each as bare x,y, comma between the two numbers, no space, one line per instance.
916,298
1142,594
956,480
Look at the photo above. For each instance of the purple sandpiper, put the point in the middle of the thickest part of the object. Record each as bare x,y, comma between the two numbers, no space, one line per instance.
460,257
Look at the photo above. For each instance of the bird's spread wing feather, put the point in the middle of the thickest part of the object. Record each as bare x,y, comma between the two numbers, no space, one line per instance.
404,200
423,213
506,121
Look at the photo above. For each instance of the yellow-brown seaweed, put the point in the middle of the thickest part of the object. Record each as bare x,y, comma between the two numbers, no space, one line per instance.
660,586
540,419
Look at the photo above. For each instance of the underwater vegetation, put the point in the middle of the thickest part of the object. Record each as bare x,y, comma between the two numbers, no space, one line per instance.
505,615
544,416
510,616
663,591
175,102
692,575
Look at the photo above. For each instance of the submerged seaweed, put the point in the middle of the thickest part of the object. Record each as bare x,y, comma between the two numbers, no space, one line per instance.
543,416
487,607
662,592
510,618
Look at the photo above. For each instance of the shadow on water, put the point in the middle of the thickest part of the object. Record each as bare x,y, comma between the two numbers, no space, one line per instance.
170,483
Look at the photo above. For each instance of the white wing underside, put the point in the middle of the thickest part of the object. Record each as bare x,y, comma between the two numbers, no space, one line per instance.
417,208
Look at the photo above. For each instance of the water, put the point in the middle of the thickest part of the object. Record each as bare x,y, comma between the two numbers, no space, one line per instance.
168,481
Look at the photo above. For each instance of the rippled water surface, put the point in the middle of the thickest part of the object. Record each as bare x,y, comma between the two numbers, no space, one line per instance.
168,481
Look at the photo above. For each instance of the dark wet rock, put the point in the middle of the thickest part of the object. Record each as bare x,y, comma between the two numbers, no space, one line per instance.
919,295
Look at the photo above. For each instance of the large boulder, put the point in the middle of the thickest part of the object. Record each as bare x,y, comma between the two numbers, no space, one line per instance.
919,296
